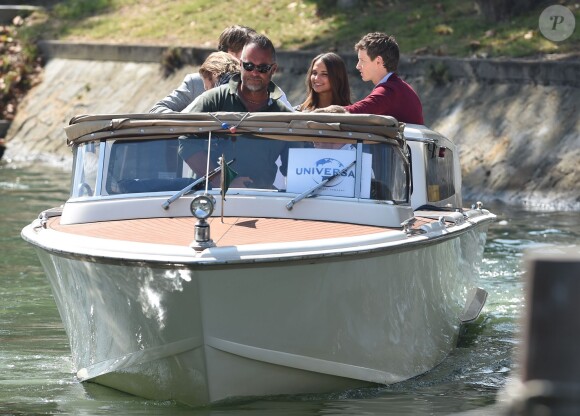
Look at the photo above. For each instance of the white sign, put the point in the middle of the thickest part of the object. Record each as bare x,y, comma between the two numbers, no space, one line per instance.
308,167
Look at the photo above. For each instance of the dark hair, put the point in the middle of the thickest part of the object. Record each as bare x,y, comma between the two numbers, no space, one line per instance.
338,78
383,45
262,42
233,38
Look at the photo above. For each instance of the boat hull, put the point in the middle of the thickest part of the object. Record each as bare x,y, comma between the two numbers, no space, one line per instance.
201,333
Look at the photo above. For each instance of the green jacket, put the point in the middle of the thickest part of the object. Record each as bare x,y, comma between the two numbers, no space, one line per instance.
225,98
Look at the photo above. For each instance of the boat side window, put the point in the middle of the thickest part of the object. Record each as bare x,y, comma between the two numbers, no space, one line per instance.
86,170
439,167
142,166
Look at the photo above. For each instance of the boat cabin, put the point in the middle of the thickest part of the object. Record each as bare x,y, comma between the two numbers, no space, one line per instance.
361,169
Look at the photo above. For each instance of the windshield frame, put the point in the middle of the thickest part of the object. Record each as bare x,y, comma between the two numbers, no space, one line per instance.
139,130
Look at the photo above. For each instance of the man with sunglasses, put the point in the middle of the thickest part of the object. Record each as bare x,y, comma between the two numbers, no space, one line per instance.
231,40
250,91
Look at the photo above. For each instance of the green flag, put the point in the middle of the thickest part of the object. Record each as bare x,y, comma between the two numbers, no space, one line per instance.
227,176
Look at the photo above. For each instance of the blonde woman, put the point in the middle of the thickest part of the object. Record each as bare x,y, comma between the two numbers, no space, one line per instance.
216,70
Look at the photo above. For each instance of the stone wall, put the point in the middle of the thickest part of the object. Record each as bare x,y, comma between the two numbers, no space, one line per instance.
516,122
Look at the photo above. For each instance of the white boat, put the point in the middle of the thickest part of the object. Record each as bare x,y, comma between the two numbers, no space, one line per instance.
357,266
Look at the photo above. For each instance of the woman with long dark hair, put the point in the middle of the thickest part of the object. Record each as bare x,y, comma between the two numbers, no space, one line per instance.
326,83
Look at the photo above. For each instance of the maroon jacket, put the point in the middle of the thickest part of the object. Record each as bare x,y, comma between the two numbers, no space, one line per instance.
393,98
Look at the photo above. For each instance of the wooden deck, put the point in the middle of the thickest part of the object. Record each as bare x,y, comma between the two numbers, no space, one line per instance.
233,231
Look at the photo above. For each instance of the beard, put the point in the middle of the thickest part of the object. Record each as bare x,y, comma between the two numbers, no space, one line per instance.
254,84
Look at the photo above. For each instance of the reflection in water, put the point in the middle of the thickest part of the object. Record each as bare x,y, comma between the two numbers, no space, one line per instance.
35,356
151,303
150,298
152,289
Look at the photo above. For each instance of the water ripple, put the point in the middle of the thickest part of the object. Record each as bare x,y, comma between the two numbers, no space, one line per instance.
10,186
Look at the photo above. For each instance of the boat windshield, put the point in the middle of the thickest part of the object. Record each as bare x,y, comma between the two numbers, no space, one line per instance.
275,163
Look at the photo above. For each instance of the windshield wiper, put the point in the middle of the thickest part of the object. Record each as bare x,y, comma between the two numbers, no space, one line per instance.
189,187
310,191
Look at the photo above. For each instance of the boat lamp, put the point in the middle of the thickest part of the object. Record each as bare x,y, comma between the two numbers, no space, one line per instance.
201,208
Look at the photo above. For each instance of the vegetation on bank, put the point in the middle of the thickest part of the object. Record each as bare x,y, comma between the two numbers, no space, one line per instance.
19,69
486,28
462,28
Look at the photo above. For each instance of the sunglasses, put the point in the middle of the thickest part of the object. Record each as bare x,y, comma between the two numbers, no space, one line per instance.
262,68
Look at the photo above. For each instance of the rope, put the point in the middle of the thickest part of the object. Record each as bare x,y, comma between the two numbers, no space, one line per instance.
226,126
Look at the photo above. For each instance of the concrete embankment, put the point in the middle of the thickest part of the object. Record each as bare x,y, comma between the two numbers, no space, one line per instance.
516,122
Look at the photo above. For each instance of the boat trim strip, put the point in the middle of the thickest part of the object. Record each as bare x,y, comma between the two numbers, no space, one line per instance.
303,362
139,357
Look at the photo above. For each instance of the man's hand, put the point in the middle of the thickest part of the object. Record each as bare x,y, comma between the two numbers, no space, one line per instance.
330,109
242,182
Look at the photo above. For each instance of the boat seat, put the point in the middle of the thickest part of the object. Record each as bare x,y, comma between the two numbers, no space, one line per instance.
380,190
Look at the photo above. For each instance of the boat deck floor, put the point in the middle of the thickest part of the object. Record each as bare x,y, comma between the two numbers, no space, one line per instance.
233,230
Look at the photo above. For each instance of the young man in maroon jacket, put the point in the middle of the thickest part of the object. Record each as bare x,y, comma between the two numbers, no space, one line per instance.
378,59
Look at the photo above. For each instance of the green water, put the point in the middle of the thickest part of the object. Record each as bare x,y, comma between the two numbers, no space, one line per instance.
37,376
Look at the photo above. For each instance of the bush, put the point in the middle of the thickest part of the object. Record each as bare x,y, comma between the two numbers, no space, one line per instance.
20,67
